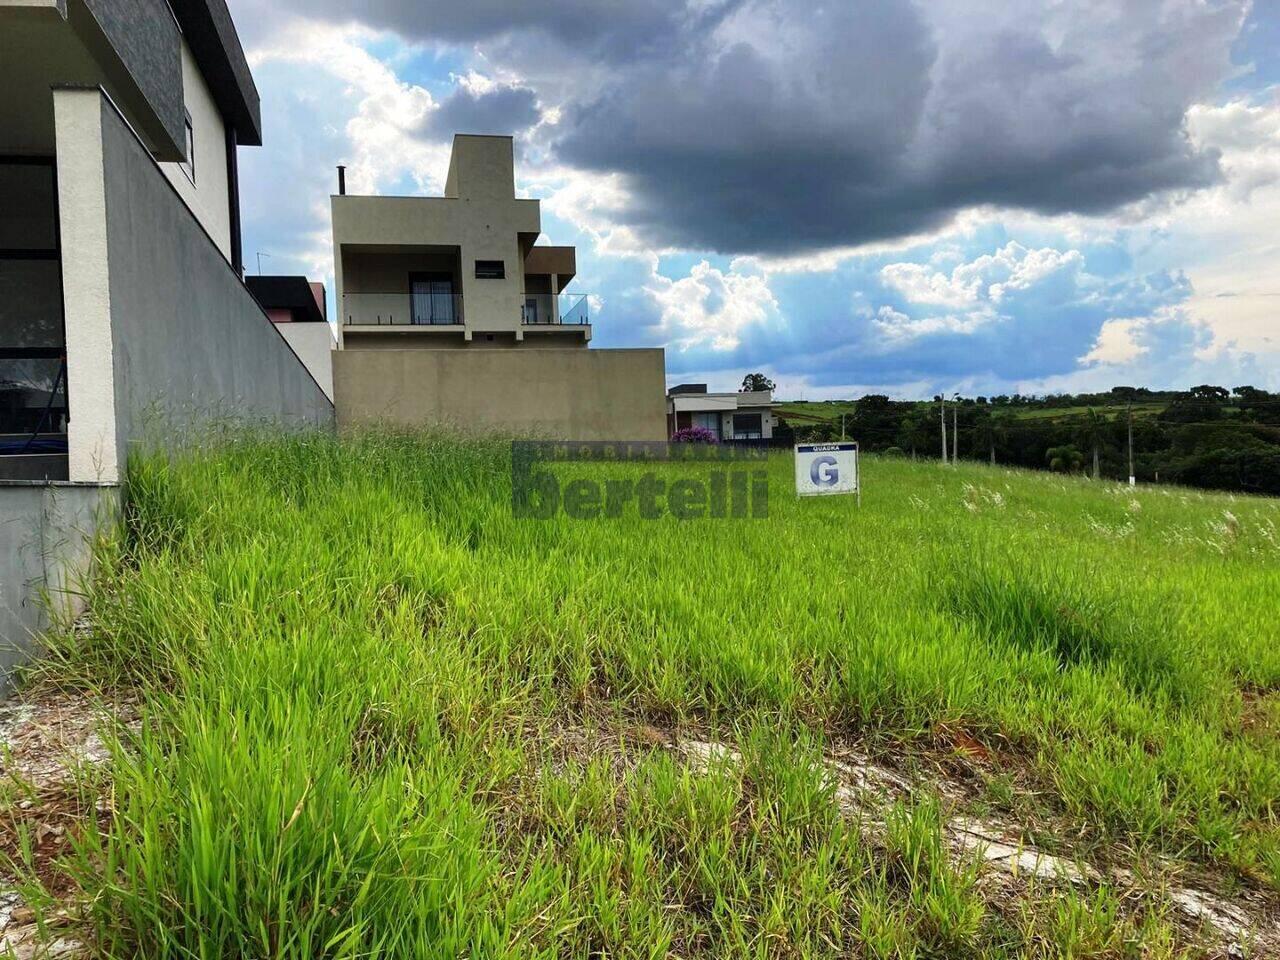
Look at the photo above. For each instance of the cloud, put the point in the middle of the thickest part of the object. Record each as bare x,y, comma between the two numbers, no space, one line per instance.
976,289
785,125
777,126
711,308
485,108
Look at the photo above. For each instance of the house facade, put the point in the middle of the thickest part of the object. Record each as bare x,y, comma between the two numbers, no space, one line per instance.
452,313
462,270
744,416
121,299
124,319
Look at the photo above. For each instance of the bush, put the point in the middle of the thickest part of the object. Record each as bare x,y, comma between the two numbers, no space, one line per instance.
694,435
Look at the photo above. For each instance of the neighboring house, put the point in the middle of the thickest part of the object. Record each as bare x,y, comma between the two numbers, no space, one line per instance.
747,415
297,306
458,270
452,313
123,316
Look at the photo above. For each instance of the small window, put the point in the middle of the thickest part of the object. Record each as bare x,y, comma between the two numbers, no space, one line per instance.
491,270
189,164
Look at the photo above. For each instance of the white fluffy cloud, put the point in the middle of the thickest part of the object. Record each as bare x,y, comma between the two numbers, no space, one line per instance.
712,308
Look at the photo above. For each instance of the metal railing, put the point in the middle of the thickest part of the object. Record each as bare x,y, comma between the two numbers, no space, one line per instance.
568,309
425,309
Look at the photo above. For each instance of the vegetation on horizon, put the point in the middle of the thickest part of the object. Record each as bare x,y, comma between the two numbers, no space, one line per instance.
1206,437
382,717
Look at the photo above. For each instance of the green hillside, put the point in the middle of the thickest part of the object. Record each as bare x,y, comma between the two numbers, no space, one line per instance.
383,717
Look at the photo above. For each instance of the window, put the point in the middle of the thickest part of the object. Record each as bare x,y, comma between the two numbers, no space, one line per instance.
189,164
431,299
747,426
491,270
708,421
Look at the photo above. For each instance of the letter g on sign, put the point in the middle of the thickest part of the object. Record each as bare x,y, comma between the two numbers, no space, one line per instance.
824,472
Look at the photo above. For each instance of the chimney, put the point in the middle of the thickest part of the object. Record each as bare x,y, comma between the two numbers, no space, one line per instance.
342,180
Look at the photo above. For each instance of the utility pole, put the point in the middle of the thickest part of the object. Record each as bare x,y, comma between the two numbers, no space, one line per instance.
955,430
1133,479
944,429
842,426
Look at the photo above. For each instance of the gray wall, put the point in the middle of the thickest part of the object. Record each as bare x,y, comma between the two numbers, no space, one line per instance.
190,343
145,36
45,537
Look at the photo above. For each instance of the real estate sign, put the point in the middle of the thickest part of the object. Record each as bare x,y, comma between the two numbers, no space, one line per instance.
823,468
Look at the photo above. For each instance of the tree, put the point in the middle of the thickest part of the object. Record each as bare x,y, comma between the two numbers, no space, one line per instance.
918,430
990,430
1091,437
756,381
1065,459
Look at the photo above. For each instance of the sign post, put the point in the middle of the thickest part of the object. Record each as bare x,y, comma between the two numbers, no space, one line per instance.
825,468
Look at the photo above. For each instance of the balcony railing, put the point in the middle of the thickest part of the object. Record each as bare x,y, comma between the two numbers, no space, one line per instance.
568,309
402,309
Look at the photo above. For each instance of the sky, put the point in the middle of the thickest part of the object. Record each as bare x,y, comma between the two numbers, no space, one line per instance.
975,196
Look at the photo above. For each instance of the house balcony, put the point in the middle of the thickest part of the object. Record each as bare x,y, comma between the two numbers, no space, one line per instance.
562,309
425,311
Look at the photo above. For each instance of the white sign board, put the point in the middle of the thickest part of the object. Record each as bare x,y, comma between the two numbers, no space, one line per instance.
826,468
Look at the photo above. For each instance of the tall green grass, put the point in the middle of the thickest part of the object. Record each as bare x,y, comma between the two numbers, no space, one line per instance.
382,715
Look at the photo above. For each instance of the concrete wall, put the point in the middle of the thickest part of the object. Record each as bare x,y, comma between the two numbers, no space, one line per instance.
46,532
189,342
92,449
162,336
313,344
208,194
561,394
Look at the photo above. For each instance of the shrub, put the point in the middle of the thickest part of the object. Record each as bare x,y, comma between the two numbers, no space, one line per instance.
694,435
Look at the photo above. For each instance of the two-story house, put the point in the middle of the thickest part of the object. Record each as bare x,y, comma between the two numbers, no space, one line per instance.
424,283
459,270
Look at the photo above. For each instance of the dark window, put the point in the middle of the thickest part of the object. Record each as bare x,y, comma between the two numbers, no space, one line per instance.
491,270
748,426
189,164
431,299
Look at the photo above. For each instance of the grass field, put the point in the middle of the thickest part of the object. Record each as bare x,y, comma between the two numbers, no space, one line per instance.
381,717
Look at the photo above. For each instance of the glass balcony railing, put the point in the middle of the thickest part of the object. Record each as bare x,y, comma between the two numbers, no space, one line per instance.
569,309
426,308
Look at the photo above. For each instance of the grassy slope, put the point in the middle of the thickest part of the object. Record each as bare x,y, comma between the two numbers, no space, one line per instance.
353,656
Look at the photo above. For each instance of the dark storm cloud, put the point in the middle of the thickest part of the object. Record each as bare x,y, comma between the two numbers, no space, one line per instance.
504,110
618,27
784,125
863,122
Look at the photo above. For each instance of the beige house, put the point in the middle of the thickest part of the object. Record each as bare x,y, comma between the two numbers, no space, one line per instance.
455,271
451,313
746,415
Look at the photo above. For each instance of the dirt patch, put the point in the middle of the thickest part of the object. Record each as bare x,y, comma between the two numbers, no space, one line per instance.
51,752
1246,924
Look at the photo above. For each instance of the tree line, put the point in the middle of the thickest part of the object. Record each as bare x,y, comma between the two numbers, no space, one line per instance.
1208,436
